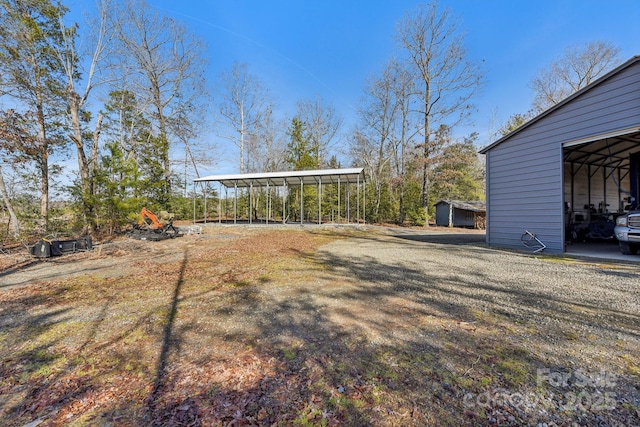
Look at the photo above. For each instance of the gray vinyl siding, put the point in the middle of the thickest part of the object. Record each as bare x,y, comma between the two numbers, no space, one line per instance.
525,172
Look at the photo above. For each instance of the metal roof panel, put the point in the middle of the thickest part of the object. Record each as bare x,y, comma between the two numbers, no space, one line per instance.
291,178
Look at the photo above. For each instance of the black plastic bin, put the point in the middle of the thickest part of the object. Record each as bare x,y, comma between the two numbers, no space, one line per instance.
48,248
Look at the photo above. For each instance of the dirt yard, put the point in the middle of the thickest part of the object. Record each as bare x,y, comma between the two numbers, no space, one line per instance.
317,326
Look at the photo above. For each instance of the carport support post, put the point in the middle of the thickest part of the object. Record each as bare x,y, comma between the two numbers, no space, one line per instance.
251,202
235,202
284,203
573,190
301,201
347,202
320,201
358,200
219,203
604,187
364,203
268,202
206,187
620,208
194,202
338,213
589,190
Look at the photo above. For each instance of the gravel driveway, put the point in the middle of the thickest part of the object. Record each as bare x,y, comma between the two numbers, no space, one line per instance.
457,270
570,318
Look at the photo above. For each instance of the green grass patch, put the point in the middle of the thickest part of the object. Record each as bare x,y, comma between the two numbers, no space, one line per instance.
516,372
41,364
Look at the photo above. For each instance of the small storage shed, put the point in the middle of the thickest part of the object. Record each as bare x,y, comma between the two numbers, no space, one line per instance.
577,160
463,214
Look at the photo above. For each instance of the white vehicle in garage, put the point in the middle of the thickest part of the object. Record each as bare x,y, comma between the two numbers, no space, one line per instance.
627,232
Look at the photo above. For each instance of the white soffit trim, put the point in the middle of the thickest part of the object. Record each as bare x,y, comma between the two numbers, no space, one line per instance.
601,136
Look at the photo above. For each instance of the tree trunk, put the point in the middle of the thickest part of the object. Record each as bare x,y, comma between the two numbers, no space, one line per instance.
242,130
43,146
43,163
401,202
44,188
165,153
164,140
13,219
94,152
425,165
83,165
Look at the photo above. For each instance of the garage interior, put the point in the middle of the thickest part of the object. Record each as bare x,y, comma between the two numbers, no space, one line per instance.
601,182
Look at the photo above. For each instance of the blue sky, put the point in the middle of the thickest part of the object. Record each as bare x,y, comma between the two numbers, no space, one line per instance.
301,49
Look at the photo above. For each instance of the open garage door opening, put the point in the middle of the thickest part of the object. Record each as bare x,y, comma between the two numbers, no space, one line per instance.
601,183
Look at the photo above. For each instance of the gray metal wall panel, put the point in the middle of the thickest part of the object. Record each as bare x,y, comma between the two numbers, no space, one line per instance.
527,197
525,173
462,218
488,193
595,190
442,214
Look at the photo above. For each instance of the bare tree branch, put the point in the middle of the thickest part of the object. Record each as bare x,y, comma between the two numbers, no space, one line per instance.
579,66
322,125
446,79
244,104
164,66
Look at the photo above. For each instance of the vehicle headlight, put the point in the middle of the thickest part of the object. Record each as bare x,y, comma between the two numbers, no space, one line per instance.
622,221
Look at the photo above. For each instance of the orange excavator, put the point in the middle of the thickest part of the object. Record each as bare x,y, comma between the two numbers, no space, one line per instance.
152,227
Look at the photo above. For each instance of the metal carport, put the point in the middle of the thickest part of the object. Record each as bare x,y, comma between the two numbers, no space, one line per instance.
286,180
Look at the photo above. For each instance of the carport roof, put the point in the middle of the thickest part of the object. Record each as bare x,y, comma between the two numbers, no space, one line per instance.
290,178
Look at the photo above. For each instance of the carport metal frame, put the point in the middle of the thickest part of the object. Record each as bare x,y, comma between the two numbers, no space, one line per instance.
286,180
608,153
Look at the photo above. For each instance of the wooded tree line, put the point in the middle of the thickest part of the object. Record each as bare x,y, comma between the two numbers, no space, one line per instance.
125,97
116,96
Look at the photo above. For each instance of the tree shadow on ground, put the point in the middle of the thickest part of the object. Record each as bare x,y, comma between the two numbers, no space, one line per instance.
446,238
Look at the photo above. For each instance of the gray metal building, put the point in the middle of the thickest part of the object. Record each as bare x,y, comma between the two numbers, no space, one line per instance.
577,160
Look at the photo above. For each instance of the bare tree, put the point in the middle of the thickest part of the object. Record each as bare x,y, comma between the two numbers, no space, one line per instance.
403,87
72,61
267,146
185,127
163,64
322,125
446,79
579,65
14,224
385,137
371,143
244,104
